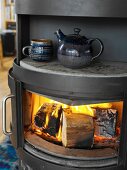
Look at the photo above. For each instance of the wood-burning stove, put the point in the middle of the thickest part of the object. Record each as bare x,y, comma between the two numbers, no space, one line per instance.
40,91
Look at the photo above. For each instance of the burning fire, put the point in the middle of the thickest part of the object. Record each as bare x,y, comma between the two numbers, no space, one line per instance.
84,109
53,114
46,121
59,134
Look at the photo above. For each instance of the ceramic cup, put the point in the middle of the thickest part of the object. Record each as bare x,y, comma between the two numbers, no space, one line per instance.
39,50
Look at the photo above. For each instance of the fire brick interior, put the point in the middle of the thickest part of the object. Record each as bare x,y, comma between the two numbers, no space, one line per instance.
48,134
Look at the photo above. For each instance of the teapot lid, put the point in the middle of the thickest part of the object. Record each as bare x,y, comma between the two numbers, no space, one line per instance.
75,38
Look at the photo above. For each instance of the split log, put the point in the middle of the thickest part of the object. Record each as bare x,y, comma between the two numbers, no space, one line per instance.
77,130
105,128
54,120
47,118
105,122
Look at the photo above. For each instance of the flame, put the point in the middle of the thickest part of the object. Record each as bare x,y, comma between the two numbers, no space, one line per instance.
46,121
38,131
85,109
101,105
55,112
59,134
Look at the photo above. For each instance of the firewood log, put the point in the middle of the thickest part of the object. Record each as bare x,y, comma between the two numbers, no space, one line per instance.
105,122
105,128
47,118
54,120
77,130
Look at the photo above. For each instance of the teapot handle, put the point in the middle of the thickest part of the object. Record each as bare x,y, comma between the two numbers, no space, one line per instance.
101,47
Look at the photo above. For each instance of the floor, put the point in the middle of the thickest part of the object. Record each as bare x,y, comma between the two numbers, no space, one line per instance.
4,90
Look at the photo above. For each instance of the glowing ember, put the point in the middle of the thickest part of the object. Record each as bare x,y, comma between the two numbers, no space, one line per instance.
38,131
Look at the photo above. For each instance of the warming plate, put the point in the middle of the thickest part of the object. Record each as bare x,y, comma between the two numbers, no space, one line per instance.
97,69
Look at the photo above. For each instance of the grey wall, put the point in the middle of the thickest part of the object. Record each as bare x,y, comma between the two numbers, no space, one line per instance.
92,8
112,31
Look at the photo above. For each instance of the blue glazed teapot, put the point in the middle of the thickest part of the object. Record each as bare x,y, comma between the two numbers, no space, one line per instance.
75,51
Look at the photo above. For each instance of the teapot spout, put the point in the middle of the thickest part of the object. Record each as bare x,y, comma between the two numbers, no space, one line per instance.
60,35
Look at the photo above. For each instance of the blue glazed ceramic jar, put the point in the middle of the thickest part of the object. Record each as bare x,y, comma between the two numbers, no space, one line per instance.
40,50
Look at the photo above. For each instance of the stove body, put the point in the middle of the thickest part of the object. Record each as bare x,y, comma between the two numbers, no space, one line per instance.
105,83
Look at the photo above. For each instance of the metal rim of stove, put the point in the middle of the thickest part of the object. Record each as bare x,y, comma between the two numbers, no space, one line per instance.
69,87
71,162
